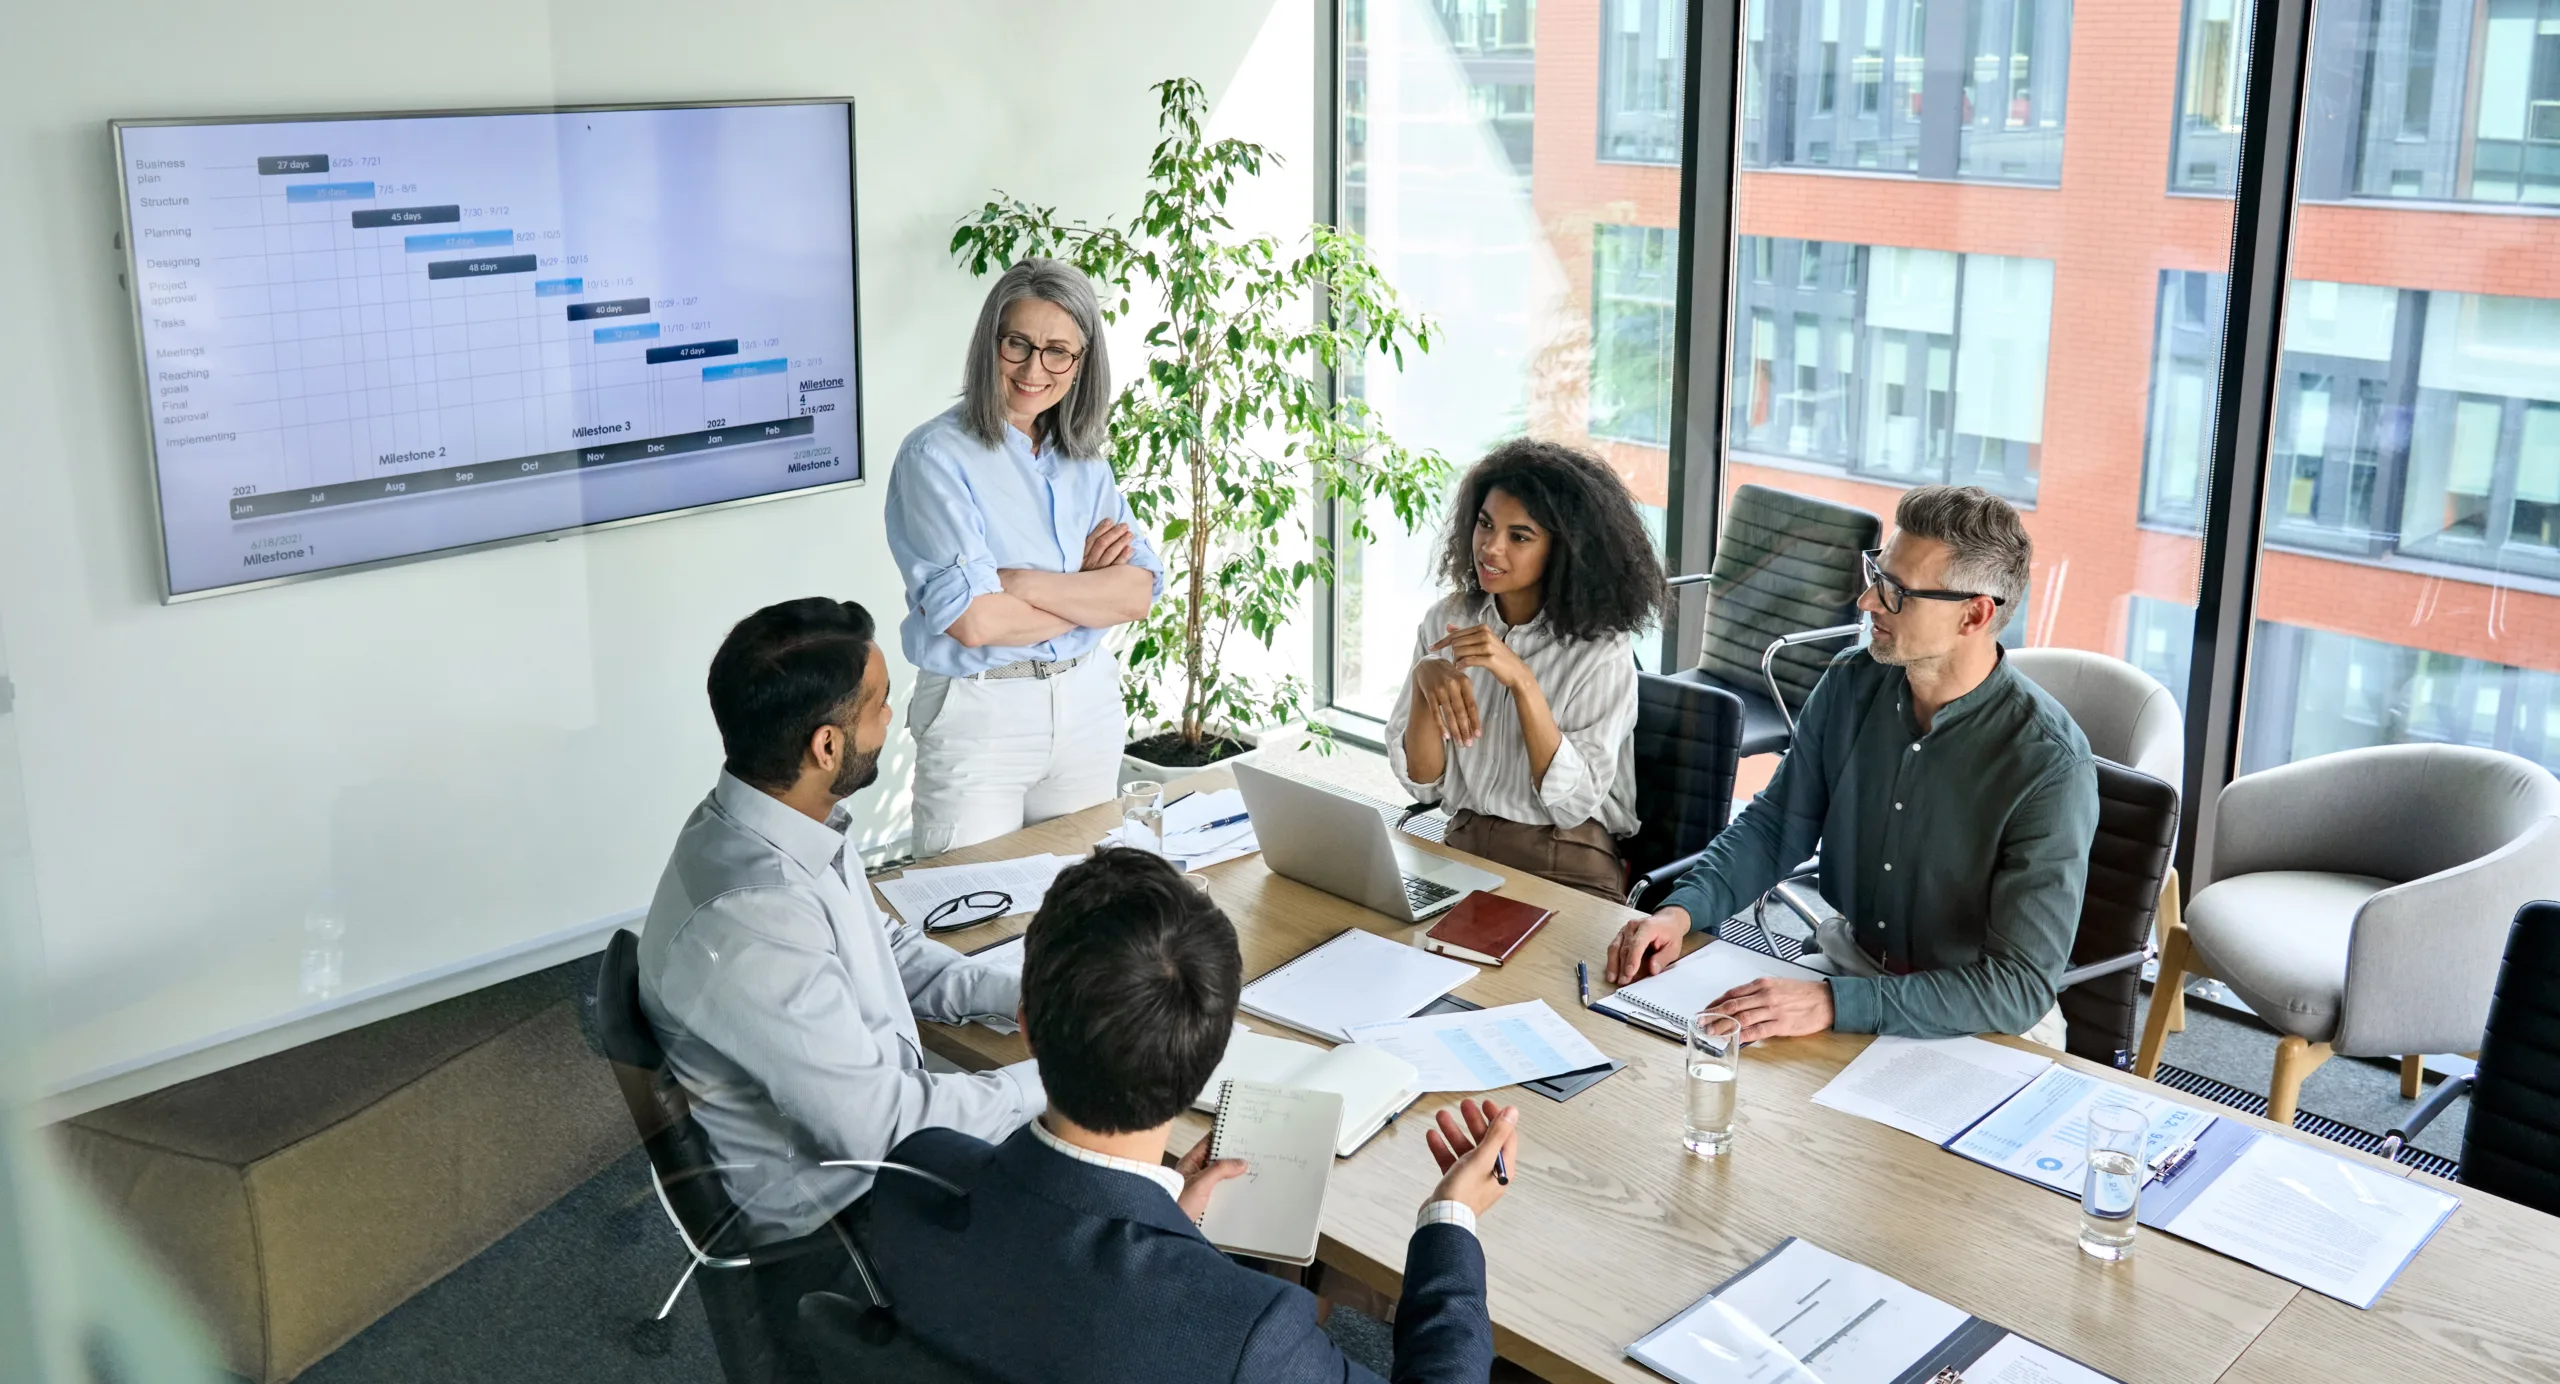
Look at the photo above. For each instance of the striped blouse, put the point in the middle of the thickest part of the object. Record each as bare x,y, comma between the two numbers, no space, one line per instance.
1591,689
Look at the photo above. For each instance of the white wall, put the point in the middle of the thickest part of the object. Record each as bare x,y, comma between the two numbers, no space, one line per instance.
485,754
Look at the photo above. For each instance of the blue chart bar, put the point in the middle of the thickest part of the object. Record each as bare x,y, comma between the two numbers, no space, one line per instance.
692,350
458,240
328,192
744,368
558,288
637,331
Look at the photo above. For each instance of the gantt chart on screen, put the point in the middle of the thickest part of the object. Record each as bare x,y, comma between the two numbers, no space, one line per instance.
376,338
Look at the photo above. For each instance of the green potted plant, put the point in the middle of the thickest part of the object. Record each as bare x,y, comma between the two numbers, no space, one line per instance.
1232,427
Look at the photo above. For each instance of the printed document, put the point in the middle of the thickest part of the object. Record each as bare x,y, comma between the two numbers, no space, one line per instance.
1936,1088
915,894
2017,1360
1801,1316
2332,1225
1482,1049
2042,1134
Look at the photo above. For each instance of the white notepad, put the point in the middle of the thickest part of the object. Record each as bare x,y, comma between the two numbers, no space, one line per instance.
1374,1084
1286,1138
1665,1003
1356,978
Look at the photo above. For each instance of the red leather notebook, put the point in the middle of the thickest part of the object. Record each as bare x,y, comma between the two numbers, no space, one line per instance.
1485,928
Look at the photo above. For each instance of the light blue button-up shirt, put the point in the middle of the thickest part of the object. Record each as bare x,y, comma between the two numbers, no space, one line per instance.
960,511
787,1008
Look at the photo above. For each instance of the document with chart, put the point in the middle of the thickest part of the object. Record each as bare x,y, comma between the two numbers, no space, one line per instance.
374,338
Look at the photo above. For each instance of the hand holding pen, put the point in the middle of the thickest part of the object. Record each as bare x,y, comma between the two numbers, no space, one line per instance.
1474,1144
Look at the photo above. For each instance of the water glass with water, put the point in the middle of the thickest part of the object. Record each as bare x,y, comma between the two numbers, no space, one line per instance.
1142,812
2114,1181
1715,1056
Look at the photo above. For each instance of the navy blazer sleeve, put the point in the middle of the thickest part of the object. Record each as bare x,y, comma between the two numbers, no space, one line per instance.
1442,1332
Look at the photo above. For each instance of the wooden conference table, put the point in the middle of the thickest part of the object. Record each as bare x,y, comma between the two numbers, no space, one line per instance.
1610,1227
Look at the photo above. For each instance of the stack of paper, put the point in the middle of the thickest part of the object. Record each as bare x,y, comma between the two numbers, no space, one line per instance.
1355,978
1200,830
915,894
1482,1049
1936,1088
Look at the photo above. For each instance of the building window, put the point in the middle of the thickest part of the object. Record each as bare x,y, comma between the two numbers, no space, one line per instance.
2341,407
1643,47
1912,366
1633,295
2160,639
2319,691
2212,70
1876,86
2186,349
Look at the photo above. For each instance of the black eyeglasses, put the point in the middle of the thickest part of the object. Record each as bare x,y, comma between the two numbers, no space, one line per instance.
996,902
1891,594
1017,348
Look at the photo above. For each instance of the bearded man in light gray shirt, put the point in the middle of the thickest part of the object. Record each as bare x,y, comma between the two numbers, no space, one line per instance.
785,1001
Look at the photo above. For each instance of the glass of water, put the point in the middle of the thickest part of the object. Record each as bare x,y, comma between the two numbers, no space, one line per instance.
2114,1184
1715,1056
1142,812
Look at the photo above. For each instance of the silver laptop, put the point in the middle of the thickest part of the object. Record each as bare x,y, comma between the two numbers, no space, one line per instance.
1342,846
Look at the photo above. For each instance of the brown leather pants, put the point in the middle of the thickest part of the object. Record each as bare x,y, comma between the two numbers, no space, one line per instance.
1581,857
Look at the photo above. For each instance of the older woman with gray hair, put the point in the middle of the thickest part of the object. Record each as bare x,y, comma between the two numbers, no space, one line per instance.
1019,556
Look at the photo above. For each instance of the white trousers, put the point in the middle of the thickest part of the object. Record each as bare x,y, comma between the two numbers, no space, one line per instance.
992,757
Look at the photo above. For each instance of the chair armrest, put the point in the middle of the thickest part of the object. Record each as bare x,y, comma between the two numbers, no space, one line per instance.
2078,975
2447,1091
1646,891
1769,661
1413,810
2422,959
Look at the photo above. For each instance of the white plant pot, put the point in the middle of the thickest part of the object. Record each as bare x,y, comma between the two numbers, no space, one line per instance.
1132,768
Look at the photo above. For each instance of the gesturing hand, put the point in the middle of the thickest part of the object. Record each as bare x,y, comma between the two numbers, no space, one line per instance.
1465,1152
1773,1008
1440,689
1200,1177
1477,646
1108,545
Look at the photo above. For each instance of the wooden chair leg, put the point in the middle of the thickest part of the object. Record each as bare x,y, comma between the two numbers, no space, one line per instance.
2296,1057
2173,979
2412,1075
2171,918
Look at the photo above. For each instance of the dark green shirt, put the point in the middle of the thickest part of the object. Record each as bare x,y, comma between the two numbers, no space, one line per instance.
1957,857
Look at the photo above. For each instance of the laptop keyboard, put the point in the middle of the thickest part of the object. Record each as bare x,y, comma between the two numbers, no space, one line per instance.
1420,893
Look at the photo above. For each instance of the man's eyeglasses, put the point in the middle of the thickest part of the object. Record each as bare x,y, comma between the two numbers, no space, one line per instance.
982,905
1017,348
1891,594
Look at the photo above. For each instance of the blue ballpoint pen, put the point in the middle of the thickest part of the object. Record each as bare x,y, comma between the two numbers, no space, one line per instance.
1582,981
1222,822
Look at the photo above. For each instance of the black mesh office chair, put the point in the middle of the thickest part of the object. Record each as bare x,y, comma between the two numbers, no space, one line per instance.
2128,859
1782,600
1688,739
2511,1145
754,1347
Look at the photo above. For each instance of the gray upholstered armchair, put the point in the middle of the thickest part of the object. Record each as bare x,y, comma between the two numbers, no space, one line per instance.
2358,902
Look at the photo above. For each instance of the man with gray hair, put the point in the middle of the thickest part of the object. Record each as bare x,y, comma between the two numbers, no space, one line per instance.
1952,799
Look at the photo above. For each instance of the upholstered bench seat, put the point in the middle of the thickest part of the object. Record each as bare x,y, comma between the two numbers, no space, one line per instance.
297,1198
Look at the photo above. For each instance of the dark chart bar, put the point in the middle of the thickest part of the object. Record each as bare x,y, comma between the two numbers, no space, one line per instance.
405,216
274,164
692,350
610,307
474,268
520,468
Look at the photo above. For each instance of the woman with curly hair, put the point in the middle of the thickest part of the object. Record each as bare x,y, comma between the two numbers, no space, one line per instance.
1519,716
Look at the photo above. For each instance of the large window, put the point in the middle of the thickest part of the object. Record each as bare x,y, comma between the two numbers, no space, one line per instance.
1914,366
2423,100
1969,89
2409,588
1538,227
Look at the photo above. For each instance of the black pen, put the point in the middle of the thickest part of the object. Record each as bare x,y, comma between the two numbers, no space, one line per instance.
1501,1170
1582,981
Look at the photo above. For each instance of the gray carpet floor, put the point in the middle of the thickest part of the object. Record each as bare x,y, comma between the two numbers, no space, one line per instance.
557,1300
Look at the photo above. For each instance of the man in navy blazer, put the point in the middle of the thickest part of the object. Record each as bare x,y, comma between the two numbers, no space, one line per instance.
1074,1255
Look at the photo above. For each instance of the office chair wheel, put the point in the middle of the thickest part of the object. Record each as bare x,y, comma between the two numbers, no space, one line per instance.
653,1337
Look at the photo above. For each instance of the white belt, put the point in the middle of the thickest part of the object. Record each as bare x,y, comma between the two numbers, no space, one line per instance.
1029,668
